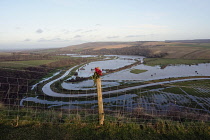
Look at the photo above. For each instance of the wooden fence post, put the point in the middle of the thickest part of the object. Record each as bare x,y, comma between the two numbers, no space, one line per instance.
100,101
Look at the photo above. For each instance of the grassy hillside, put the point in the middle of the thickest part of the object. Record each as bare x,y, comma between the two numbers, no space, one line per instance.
184,50
97,45
172,61
5,53
181,50
187,49
45,125
24,64
81,131
33,123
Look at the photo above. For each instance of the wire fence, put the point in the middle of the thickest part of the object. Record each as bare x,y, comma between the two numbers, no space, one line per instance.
24,99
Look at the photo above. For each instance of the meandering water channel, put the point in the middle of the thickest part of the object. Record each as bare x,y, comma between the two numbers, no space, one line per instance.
113,79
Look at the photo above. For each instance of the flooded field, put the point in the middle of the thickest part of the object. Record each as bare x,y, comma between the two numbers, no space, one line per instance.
152,73
155,72
191,98
171,99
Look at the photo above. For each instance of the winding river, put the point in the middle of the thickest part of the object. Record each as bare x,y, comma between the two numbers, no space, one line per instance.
152,73
113,79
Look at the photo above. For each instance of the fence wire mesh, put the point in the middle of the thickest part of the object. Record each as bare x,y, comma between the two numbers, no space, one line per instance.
24,99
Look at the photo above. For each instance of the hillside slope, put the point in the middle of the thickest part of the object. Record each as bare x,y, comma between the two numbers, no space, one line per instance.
187,49
99,45
172,49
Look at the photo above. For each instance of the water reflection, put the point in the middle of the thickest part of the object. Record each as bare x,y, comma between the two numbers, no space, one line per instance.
119,62
152,73
155,72
112,100
45,79
86,85
88,70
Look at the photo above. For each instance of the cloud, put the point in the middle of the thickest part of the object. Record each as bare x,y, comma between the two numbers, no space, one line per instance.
130,36
88,31
18,28
147,26
77,36
52,40
42,40
27,39
111,37
146,35
98,25
78,30
152,26
39,31
65,31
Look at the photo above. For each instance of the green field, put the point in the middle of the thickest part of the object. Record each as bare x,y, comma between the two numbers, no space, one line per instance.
24,64
37,121
81,131
200,45
55,125
40,123
137,71
168,61
4,53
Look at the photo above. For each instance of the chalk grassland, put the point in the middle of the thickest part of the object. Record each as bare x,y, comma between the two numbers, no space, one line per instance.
4,53
180,50
177,53
173,49
98,46
162,130
26,123
39,124
111,47
24,64
137,71
21,61
172,61
183,50
202,45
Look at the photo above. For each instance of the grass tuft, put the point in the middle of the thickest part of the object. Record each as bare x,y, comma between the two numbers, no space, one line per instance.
137,71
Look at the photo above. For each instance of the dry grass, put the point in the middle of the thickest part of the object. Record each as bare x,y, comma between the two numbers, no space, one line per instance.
153,43
95,45
112,46
4,53
175,50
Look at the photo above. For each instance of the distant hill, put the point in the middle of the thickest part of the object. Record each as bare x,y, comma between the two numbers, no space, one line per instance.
185,49
114,45
100,45
190,41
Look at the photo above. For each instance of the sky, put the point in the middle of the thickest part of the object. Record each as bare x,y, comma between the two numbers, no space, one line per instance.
30,24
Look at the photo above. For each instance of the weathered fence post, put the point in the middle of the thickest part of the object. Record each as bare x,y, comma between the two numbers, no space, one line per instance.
100,101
